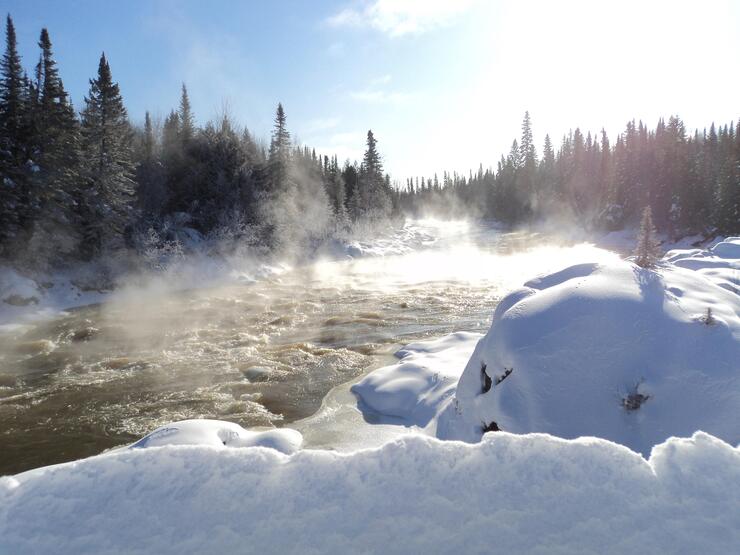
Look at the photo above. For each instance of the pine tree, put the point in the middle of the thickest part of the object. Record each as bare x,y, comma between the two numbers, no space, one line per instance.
12,105
279,157
14,194
373,195
107,163
151,186
58,133
187,121
647,250
55,233
149,140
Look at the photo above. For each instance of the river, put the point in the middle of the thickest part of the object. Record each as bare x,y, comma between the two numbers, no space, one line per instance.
259,353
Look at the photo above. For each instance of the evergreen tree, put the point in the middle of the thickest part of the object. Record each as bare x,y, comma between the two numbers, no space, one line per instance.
279,157
186,119
107,162
55,232
373,191
14,193
647,250
151,187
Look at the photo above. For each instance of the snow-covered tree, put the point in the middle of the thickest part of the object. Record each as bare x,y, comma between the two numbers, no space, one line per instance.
647,250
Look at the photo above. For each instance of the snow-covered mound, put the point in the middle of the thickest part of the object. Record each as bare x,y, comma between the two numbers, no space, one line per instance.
608,350
507,494
220,433
413,390
721,263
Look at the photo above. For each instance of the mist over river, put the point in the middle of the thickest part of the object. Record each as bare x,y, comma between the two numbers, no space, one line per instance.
258,353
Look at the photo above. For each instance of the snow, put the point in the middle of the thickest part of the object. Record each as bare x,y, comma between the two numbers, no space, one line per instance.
415,388
220,433
611,358
586,343
605,349
720,263
508,493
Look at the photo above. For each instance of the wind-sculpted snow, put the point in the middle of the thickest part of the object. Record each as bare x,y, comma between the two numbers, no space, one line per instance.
613,350
427,375
506,494
220,433
609,349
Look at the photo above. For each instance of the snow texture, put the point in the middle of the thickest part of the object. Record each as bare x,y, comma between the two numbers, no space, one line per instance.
506,494
220,433
610,350
426,376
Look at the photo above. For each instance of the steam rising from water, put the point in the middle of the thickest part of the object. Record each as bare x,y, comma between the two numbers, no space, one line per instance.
261,345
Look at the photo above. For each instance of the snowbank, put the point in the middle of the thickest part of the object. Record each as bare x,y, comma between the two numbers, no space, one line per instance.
507,494
413,390
720,263
608,350
220,433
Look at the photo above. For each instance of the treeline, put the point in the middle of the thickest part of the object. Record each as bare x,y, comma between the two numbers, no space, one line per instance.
691,182
74,186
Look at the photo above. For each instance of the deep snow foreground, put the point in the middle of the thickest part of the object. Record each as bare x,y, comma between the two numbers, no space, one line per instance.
507,494
609,350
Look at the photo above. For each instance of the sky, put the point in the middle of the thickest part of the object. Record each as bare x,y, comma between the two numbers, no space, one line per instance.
443,84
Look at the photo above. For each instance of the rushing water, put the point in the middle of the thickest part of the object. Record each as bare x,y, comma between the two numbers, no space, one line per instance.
260,354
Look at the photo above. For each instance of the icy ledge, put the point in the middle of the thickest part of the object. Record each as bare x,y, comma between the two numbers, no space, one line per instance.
506,494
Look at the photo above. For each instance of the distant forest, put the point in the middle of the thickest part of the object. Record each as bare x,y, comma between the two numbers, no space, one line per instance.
74,186
691,182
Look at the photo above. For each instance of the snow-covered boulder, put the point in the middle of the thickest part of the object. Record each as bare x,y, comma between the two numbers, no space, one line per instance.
609,350
219,433
412,390
720,263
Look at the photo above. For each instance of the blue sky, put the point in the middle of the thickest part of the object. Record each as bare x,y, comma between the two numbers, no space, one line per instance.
443,84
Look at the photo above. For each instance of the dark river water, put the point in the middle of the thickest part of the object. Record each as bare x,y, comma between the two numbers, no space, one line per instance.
263,353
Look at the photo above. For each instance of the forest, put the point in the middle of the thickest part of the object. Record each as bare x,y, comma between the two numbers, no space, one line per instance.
76,186
691,182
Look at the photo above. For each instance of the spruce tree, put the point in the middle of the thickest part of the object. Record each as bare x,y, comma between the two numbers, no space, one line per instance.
12,105
187,121
647,250
151,186
279,157
55,232
58,133
372,194
14,194
107,162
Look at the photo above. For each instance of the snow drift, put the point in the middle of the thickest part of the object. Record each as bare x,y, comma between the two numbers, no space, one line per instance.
412,391
220,433
610,350
507,494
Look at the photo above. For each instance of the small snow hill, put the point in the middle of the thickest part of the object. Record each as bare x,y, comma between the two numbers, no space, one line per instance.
625,353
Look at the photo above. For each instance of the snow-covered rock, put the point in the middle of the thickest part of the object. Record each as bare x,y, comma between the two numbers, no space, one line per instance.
219,433
506,494
608,350
720,263
412,390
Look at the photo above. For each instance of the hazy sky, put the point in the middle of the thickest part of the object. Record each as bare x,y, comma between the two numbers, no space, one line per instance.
443,84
